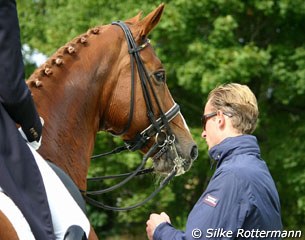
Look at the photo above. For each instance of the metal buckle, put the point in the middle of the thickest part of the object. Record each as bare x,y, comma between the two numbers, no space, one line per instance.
161,138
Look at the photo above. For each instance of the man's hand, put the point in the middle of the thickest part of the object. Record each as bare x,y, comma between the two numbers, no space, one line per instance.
153,221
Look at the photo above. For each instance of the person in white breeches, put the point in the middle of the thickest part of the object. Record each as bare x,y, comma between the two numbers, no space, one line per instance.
65,211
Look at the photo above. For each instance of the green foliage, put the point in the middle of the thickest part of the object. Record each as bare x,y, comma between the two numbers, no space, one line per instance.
204,43
284,155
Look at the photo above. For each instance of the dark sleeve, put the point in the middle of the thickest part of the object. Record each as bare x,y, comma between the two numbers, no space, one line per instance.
222,206
168,232
15,96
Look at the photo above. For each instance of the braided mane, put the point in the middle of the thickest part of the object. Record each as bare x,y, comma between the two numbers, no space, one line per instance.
58,58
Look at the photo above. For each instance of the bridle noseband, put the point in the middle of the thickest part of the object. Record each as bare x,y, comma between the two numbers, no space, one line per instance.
159,128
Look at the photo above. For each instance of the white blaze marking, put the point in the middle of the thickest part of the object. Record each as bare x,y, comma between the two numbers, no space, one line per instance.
184,122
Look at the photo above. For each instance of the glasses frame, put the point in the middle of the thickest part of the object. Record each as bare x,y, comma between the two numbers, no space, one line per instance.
206,117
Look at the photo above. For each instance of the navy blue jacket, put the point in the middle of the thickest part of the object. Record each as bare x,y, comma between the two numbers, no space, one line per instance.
241,197
19,175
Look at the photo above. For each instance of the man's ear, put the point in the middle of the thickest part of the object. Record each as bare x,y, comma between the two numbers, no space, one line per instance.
220,119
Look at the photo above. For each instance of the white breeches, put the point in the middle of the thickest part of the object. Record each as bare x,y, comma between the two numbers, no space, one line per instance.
12,212
64,210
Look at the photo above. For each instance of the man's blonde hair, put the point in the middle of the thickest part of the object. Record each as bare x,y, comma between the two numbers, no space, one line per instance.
238,100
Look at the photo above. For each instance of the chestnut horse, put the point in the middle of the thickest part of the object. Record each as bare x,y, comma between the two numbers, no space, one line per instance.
102,81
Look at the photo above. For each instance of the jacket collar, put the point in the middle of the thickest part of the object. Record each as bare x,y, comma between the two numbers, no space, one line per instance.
234,145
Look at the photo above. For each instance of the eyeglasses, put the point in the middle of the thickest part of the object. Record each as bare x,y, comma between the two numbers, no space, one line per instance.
206,117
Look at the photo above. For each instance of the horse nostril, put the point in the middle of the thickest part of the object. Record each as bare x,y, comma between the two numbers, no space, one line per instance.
194,152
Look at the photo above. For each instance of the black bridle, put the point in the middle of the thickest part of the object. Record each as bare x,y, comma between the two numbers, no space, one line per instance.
159,128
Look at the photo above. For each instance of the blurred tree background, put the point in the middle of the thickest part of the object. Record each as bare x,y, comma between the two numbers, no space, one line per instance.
203,43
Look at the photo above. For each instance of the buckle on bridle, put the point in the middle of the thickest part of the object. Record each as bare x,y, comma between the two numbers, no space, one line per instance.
161,138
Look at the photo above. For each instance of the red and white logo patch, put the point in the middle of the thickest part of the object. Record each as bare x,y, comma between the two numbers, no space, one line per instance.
210,200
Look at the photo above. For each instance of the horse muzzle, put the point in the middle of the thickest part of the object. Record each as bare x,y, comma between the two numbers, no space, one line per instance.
169,156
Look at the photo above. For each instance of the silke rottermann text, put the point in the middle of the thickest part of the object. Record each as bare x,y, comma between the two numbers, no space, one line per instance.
254,233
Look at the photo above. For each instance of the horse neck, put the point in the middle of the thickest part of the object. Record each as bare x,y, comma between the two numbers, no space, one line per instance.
69,100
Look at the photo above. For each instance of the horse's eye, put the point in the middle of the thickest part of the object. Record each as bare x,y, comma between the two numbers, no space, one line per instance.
160,76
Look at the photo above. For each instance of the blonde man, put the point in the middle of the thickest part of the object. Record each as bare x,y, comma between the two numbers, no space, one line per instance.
241,200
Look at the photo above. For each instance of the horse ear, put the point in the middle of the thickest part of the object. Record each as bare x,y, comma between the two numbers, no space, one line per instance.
151,20
135,19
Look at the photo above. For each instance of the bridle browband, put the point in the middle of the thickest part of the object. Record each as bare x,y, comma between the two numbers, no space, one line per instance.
159,128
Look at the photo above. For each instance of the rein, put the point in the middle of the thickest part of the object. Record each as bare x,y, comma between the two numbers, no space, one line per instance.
130,175
164,138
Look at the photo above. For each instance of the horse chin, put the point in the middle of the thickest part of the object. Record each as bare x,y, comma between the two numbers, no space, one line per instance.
165,165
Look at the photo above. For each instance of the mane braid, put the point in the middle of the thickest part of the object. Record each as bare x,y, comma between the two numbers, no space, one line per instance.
57,59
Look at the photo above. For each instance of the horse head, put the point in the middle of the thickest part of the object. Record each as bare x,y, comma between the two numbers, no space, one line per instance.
139,106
